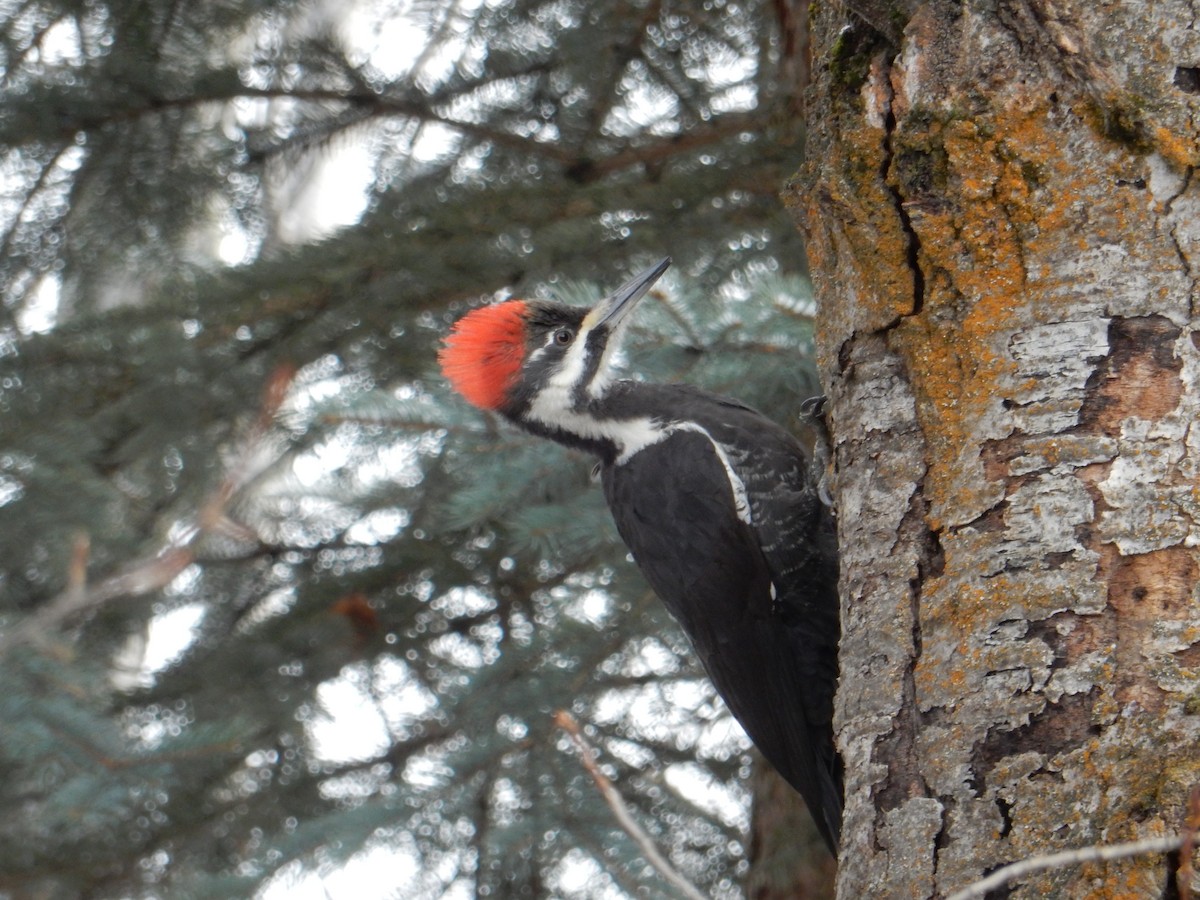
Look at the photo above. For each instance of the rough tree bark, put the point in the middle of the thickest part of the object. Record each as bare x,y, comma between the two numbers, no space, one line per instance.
1004,236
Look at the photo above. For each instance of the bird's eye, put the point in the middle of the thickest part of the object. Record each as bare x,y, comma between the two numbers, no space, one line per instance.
563,336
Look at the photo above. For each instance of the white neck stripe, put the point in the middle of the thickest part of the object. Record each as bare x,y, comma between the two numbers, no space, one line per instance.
630,437
552,406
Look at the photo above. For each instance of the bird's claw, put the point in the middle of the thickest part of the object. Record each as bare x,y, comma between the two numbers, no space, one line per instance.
814,409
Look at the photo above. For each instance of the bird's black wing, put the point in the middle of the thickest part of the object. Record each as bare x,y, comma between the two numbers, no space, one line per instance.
674,506
797,534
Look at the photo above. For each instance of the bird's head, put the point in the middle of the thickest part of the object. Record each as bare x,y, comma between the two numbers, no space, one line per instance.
533,359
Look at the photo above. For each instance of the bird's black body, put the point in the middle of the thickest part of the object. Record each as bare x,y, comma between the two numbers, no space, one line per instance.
720,508
758,599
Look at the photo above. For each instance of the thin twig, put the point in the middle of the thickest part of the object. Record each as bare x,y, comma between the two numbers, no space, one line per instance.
1183,877
620,809
1066,858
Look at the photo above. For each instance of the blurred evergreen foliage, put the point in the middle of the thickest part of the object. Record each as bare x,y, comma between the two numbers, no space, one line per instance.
379,595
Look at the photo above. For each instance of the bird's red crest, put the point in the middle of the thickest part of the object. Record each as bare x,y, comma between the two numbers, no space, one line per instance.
484,351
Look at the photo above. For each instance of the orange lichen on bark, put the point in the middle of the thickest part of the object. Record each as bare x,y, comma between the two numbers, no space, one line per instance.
1181,148
977,248
855,235
1015,201
1111,796
1008,271
993,263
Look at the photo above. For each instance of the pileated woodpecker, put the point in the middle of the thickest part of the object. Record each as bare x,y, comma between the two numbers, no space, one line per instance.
718,504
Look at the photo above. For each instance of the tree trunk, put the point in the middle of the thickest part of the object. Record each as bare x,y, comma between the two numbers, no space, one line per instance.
1004,234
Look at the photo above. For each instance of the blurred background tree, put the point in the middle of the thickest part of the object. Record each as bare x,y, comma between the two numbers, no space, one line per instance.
280,616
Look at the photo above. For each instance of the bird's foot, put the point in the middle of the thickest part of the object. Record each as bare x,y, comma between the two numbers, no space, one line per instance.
814,409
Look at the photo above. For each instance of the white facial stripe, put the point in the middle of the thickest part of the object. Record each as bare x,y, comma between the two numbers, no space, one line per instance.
603,377
550,341
573,363
554,404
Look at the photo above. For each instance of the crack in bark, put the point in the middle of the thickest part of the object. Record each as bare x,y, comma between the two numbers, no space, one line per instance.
904,779
899,751
1169,203
1173,231
912,239
1058,728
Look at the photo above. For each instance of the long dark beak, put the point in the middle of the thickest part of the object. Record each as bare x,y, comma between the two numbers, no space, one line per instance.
612,309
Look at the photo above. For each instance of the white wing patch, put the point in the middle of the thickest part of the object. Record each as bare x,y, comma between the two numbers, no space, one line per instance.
741,499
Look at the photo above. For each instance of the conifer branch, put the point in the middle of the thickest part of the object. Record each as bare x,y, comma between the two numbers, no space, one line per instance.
661,151
620,808
31,195
158,570
439,35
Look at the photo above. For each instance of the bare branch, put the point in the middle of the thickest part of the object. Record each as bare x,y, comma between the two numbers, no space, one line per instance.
620,809
1041,863
1183,877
